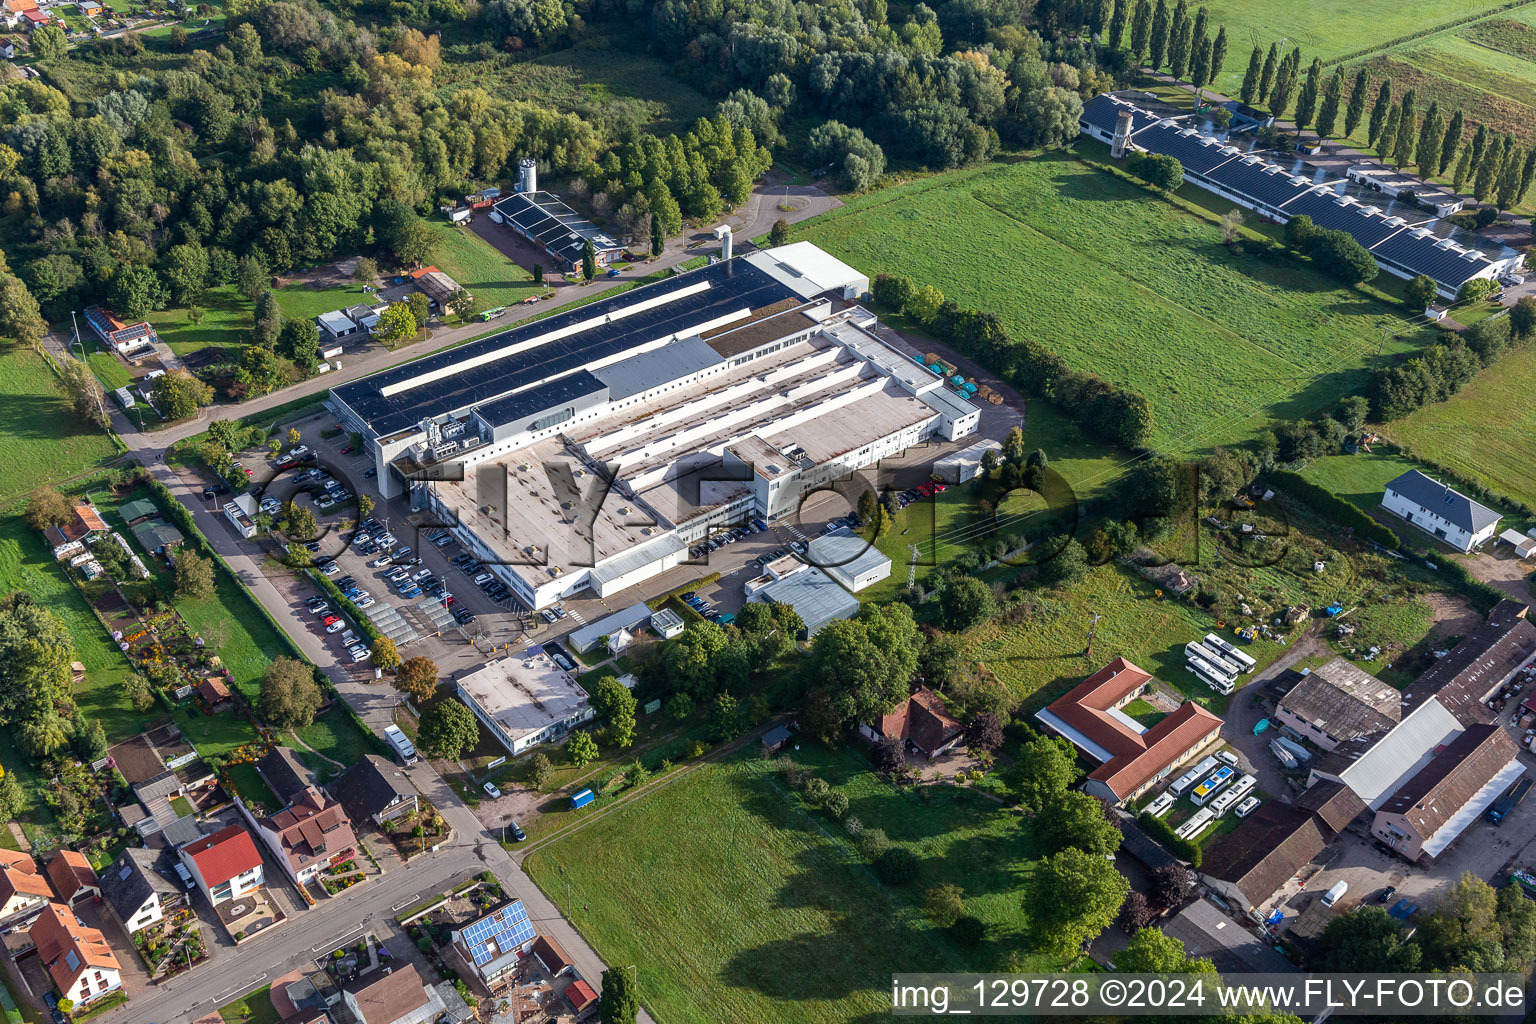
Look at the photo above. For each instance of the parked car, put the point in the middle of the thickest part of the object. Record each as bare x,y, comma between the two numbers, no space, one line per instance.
547,615
208,493
364,602
1387,894
331,569
370,472
517,834
484,578
491,790
335,626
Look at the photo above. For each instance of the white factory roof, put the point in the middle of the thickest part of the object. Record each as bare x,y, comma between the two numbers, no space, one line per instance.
1401,753
1473,809
848,552
807,269
629,618
524,694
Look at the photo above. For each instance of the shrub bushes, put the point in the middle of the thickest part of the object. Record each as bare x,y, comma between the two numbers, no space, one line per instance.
897,866
1160,831
968,930
1330,506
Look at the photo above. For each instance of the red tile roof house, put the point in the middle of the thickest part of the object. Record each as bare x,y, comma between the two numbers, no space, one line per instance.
225,865
923,722
1131,757
76,957
580,995
73,877
24,890
309,835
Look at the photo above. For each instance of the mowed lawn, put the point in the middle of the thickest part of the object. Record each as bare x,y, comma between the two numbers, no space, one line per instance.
1127,286
480,269
40,436
225,324
1487,431
1360,479
739,905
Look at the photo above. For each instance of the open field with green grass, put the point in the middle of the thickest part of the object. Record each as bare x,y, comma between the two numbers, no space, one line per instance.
43,439
1485,430
1359,479
336,736
255,1008
1109,276
479,269
226,319
741,904
620,86
302,301
1326,28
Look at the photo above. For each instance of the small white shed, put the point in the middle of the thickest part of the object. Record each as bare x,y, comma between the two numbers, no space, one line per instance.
1524,546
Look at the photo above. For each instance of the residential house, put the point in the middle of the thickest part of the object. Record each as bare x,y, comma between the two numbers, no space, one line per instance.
1483,663
491,946
1337,702
131,341
1441,510
311,831
552,956
7,47
923,724
1131,756
138,893
73,878
396,997
89,8
24,890
31,20
375,789
1430,810
75,956
309,835
225,865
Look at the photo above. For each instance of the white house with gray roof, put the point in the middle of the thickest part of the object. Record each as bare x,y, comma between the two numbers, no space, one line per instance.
1441,510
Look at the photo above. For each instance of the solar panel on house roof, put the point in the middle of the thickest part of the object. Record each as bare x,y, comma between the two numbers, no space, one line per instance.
498,933
710,292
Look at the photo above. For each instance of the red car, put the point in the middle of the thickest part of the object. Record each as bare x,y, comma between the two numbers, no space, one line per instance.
347,450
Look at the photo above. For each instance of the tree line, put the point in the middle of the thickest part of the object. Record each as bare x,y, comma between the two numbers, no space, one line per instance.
1116,414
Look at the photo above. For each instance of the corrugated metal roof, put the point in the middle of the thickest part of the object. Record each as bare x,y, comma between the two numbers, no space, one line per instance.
813,595
1401,753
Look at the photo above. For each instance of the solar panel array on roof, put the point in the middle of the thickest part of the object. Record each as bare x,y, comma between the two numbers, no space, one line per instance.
1262,182
498,933
1366,224
523,404
554,225
1200,154
1102,111
712,291
1423,255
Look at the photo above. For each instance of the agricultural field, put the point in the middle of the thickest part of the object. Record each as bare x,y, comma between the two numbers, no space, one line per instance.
593,78
1106,274
43,439
741,904
1484,430
1327,28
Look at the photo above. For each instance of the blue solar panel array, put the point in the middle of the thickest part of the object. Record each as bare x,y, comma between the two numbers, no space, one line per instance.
498,933
1421,256
1271,188
734,285
1368,228
1102,111
1199,154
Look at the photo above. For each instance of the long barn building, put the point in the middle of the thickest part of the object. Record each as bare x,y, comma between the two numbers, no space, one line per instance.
591,449
1402,247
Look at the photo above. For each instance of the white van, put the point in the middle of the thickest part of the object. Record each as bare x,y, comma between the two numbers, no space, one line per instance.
1335,894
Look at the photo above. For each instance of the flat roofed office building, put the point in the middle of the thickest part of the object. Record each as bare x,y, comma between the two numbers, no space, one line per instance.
590,449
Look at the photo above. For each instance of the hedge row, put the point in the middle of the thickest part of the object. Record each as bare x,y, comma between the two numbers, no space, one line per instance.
344,603
1330,506
1159,829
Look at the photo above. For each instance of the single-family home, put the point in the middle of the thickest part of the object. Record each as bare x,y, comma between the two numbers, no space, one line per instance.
396,997
1430,810
1131,756
138,892
225,865
1336,702
73,878
131,341
1441,510
89,8
24,890
76,957
491,946
7,47
31,20
311,830
375,789
922,723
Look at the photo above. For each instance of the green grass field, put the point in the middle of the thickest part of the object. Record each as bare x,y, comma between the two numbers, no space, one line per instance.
255,1008
1326,28
1485,430
740,905
480,269
43,439
336,736
226,319
1110,277
1359,479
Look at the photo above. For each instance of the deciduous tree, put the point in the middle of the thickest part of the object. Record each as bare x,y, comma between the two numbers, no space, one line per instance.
1069,898
417,677
289,697
448,728
191,575
581,749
